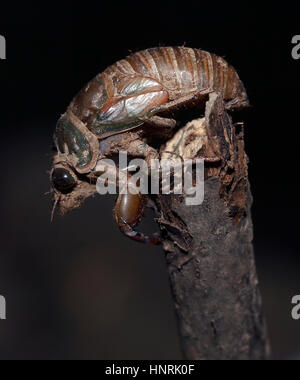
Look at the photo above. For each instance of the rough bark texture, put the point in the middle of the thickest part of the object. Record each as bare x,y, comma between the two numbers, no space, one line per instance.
209,249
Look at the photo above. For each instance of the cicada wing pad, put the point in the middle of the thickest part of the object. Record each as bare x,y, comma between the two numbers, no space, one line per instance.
135,99
77,143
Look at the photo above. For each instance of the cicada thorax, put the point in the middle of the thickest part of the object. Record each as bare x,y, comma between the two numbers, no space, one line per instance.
89,100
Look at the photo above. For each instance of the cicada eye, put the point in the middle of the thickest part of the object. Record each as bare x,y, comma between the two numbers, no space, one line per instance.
63,180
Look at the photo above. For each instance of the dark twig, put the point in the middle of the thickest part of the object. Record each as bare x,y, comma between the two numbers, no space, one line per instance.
209,250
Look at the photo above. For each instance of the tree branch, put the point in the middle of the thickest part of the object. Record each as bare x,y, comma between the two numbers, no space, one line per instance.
209,248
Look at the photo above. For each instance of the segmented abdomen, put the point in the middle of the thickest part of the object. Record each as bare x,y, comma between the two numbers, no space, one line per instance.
180,70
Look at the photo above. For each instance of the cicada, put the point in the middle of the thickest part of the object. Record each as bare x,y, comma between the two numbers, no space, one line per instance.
123,107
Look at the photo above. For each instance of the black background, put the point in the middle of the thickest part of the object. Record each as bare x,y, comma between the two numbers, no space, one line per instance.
77,288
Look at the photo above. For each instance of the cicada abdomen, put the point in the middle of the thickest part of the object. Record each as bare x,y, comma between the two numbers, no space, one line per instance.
181,71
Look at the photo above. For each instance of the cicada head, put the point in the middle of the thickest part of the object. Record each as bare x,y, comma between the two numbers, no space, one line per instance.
77,153
69,188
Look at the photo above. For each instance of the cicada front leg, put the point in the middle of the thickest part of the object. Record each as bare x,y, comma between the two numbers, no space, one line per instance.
162,126
128,212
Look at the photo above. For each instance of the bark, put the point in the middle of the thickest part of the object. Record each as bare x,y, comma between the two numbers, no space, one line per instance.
209,248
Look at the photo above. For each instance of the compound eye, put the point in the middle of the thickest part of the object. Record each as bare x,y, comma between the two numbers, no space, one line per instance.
63,180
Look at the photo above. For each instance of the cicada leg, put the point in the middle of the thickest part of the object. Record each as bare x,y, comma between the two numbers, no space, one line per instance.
182,101
128,212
